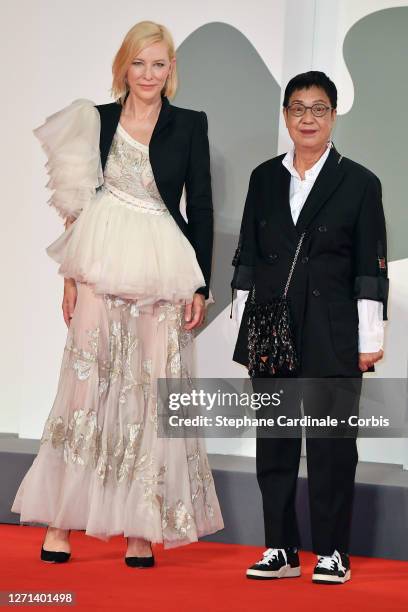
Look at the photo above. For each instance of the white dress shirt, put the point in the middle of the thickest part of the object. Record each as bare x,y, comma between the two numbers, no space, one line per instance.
370,312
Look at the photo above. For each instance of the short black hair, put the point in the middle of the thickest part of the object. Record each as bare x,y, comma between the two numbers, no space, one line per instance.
313,78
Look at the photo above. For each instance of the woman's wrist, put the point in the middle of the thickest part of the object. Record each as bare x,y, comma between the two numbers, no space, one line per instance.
202,297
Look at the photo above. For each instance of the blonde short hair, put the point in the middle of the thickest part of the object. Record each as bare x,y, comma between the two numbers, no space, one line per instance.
140,36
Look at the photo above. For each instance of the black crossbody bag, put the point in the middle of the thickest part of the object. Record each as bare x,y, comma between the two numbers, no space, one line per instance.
270,333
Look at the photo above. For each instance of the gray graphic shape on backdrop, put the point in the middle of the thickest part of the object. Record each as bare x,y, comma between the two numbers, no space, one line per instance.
374,132
222,74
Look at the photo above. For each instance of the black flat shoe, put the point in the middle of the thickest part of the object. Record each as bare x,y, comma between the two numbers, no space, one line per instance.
54,556
140,562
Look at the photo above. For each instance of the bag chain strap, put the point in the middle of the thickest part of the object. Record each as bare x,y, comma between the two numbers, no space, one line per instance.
299,246
294,263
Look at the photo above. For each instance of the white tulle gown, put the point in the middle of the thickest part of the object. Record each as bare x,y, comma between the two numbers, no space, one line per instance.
102,467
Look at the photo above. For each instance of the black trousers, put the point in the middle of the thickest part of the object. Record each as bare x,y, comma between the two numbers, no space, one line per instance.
331,467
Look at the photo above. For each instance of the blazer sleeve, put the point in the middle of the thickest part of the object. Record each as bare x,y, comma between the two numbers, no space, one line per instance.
199,205
244,258
370,247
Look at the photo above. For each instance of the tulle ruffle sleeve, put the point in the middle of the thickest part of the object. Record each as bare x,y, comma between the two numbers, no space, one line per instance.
70,139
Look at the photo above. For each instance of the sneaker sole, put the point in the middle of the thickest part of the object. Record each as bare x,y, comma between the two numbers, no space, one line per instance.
284,572
321,579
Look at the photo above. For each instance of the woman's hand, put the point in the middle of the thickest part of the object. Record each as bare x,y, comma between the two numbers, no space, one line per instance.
195,313
366,360
69,299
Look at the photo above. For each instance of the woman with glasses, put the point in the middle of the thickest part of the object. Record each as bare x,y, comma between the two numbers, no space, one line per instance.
337,303
136,281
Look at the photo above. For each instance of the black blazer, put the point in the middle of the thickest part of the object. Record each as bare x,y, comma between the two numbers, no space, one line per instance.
343,258
179,155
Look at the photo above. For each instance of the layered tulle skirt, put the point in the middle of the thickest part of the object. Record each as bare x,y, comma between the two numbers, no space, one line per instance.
102,466
128,248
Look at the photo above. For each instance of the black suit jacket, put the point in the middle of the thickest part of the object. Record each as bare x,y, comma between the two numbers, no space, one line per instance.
343,258
179,155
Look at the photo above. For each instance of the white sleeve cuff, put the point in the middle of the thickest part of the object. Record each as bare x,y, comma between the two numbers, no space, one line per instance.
371,326
239,305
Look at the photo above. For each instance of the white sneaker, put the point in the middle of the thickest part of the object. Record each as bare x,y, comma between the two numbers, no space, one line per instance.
276,563
332,569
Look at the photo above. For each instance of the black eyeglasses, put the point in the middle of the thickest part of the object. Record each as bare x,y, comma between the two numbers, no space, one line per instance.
297,109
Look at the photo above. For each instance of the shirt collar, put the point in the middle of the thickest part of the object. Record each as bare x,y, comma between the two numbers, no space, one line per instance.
312,173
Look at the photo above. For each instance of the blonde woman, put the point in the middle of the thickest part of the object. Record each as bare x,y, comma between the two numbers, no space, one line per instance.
136,282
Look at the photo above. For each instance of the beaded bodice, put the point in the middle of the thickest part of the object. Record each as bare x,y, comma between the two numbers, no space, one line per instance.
128,173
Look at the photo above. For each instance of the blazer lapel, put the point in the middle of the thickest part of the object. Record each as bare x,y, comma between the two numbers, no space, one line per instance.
110,120
326,183
283,203
165,116
109,123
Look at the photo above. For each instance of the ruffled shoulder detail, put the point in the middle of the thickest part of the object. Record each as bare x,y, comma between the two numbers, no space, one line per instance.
70,139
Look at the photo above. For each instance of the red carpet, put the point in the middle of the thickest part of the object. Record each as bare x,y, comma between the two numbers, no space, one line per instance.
199,577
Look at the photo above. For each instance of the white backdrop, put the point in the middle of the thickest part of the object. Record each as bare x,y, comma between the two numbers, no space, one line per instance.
54,52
